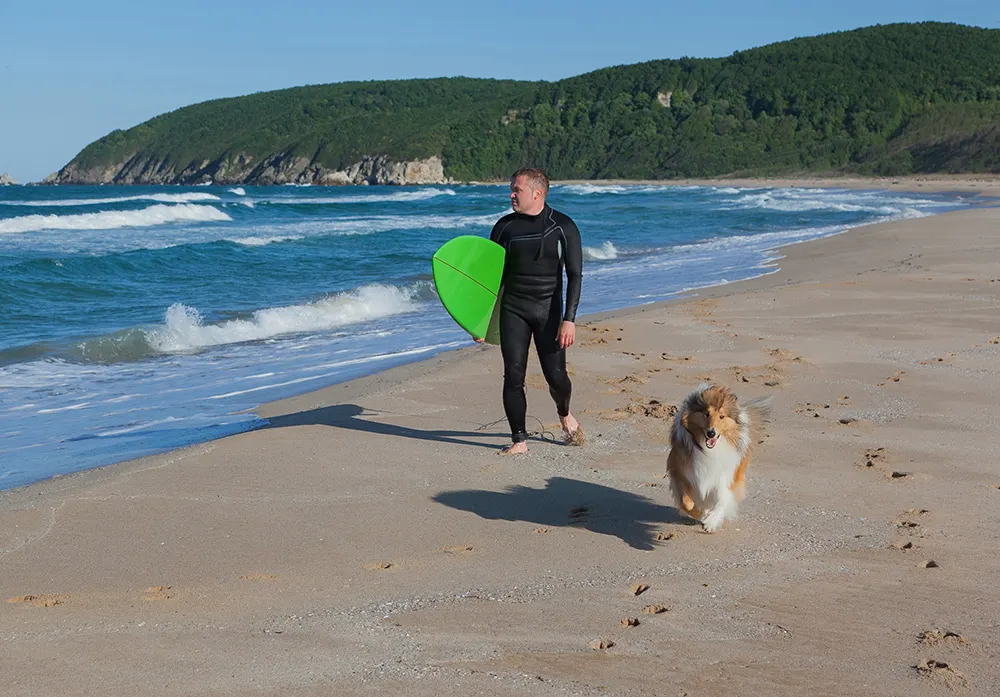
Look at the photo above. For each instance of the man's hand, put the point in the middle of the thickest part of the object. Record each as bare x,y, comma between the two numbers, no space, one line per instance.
478,341
567,334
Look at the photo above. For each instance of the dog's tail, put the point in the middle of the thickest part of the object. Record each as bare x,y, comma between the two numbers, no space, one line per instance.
759,411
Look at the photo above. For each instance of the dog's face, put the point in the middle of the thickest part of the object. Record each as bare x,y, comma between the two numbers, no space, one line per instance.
712,414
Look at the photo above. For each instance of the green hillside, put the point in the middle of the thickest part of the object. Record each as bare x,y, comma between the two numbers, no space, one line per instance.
891,99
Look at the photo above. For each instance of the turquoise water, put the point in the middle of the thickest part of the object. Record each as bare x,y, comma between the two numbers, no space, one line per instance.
135,320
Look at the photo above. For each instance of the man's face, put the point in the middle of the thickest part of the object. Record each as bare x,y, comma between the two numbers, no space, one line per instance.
523,197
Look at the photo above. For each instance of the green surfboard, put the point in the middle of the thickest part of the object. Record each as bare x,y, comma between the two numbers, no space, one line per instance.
467,275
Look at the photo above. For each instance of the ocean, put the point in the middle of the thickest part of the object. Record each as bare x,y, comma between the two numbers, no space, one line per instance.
137,320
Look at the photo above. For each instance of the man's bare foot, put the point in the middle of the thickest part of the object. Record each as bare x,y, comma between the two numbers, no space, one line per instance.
515,449
574,433
569,423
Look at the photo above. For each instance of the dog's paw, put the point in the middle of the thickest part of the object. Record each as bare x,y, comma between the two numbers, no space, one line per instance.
713,520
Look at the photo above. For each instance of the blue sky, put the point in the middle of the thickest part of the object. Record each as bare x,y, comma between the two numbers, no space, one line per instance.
72,71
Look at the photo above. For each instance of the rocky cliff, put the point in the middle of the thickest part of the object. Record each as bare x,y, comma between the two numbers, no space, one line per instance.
282,168
6,180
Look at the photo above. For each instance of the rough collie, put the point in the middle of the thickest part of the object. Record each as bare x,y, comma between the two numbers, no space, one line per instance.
710,444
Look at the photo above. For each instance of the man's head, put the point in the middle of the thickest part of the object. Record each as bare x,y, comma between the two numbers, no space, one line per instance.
528,189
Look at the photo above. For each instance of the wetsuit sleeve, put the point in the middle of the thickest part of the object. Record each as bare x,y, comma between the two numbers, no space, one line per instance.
495,232
574,270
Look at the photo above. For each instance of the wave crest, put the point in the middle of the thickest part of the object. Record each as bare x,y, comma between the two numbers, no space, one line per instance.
605,252
159,214
160,198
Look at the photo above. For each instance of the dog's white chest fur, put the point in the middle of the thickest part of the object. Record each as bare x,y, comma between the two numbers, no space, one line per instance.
714,469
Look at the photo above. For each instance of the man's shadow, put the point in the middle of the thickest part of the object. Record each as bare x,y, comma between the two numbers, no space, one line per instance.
571,503
347,416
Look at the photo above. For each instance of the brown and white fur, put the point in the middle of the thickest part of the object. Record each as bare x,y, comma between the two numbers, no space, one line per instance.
710,445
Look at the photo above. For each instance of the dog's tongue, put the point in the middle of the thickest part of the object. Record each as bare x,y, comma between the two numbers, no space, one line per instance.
711,442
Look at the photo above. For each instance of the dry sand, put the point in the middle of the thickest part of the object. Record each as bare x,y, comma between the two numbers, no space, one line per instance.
370,542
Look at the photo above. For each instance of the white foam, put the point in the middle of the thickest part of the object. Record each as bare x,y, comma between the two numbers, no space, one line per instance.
605,252
161,198
338,364
261,241
137,427
614,189
239,191
153,215
183,329
801,200
401,196
588,189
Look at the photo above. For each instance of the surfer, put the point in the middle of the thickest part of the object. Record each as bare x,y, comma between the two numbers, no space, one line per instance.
539,242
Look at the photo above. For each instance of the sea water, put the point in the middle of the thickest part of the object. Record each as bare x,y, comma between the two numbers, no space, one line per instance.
134,320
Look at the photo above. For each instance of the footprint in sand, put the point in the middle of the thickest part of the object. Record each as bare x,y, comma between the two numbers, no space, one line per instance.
578,515
810,408
664,536
892,378
456,549
940,671
875,456
43,600
878,459
905,523
651,408
638,588
785,355
933,637
160,593
768,375
378,566
668,357
995,340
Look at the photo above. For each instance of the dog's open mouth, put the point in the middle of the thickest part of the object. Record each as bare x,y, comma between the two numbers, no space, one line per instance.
710,442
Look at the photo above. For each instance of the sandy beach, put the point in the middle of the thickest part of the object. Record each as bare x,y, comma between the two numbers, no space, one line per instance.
369,541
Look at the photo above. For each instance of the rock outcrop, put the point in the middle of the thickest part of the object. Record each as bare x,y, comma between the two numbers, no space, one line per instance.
241,168
6,180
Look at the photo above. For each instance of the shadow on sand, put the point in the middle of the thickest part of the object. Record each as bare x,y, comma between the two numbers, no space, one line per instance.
349,416
569,502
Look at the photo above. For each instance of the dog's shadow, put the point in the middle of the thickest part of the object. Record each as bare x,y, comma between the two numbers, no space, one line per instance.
571,503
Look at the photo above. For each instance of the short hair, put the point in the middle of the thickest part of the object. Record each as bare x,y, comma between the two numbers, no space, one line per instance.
535,176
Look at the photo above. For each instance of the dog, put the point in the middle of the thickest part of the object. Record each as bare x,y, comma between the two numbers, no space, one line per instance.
710,444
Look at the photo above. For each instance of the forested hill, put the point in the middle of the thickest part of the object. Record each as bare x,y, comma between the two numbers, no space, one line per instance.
891,99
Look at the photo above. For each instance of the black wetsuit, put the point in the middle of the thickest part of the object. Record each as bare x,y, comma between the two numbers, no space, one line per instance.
538,249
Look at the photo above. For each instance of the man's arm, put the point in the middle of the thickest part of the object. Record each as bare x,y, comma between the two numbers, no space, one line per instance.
574,270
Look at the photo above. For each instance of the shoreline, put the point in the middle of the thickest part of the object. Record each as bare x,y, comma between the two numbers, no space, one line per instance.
982,183
709,291
368,541
986,184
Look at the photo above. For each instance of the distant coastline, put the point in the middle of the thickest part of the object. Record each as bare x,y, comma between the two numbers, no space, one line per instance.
808,107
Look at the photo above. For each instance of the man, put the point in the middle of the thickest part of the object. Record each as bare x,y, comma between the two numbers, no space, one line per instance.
540,242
